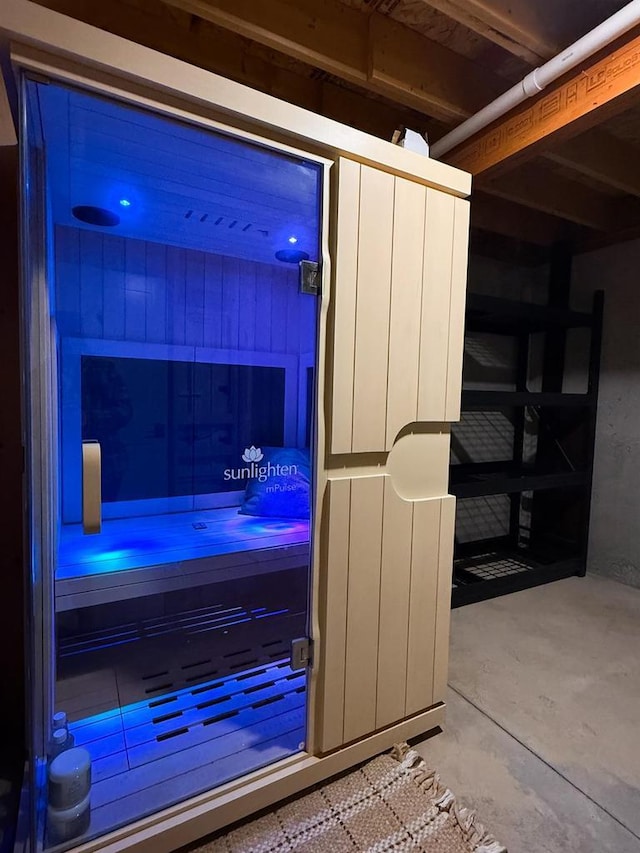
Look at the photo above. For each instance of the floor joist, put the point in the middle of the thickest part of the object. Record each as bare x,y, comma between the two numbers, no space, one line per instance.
371,51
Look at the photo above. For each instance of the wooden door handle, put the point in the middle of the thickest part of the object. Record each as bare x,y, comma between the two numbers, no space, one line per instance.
91,487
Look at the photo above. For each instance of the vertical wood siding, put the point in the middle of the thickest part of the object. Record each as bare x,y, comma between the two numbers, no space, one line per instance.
386,600
400,279
115,288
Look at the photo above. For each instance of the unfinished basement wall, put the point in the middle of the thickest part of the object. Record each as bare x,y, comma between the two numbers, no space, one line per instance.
614,541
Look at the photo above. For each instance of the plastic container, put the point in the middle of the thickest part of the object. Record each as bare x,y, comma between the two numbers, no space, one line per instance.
60,720
69,778
65,824
59,743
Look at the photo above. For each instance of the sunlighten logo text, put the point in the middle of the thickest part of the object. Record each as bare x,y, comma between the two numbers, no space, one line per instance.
253,455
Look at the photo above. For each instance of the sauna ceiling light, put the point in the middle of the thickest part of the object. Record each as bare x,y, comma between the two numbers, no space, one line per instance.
291,256
95,215
293,239
125,202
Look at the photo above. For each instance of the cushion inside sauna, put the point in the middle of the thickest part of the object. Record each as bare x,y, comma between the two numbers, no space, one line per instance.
282,490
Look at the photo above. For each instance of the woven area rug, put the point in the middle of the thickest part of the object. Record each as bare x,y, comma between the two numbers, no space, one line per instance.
393,803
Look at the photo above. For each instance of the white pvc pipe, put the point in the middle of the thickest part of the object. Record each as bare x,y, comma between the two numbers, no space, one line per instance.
539,78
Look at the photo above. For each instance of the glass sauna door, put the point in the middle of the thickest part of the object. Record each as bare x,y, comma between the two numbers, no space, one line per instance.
182,354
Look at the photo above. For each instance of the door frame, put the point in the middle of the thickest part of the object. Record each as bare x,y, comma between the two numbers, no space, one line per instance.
39,419
42,417
44,365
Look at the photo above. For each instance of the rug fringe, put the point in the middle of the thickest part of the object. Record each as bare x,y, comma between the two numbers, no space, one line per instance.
430,784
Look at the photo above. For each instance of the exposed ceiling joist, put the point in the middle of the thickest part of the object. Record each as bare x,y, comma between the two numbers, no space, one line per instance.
490,213
518,27
602,156
176,31
488,244
579,101
371,51
515,25
591,241
172,32
533,31
553,194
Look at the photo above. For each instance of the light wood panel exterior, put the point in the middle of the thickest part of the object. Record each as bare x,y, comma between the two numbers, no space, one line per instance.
334,585
385,619
458,294
434,352
395,589
344,304
375,250
363,604
400,276
399,281
422,605
406,296
443,599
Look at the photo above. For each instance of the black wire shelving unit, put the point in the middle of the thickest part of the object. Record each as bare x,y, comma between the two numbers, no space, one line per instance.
549,491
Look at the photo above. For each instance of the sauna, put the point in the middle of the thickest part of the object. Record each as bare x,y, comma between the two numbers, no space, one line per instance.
242,355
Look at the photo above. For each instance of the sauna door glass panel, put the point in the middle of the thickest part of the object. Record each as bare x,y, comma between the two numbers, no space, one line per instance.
181,430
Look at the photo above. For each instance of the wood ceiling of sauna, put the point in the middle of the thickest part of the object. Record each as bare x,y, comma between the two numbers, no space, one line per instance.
185,186
376,64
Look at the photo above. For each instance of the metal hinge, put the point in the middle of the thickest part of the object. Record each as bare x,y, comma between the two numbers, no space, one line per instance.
300,653
310,277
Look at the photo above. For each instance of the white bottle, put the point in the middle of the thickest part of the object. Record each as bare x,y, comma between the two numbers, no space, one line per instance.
69,793
69,778
65,824
59,743
60,721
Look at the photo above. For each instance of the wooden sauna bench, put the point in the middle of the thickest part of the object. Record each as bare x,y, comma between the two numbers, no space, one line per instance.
134,557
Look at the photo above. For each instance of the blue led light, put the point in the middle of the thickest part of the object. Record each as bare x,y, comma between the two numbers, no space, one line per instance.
125,202
293,240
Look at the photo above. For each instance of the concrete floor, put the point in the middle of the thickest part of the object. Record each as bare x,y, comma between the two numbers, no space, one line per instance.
543,724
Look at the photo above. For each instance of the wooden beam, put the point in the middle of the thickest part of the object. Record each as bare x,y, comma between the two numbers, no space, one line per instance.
625,227
594,240
371,51
553,194
603,157
534,31
515,25
490,213
331,36
584,98
201,43
486,244
423,74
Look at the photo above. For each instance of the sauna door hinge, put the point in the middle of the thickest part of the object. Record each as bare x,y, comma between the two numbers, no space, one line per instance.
300,653
310,277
